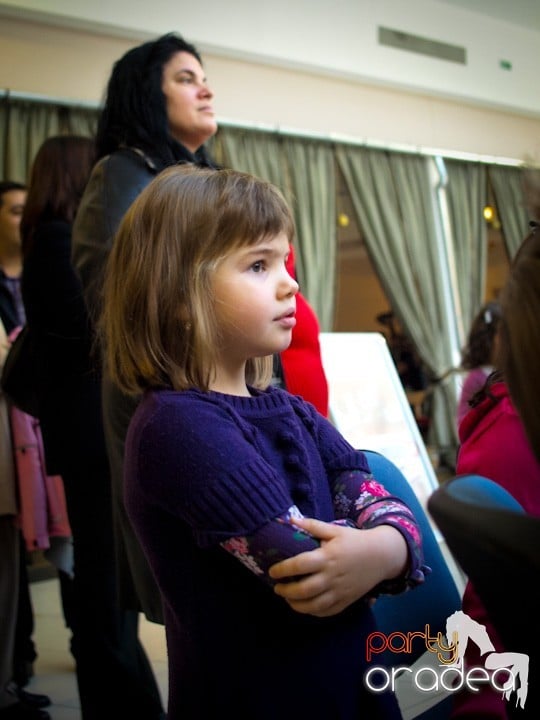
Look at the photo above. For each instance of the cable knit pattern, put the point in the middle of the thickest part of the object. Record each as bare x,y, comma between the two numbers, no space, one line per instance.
274,445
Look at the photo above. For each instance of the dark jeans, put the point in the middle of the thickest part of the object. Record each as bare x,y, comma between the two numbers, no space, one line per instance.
114,676
24,651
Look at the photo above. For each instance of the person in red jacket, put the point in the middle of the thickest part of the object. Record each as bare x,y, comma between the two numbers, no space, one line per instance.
493,444
302,362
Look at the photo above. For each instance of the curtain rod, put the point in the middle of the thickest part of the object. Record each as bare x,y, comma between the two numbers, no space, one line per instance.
34,97
294,132
376,144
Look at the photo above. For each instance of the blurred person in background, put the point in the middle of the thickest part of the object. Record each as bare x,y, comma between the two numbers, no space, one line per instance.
17,651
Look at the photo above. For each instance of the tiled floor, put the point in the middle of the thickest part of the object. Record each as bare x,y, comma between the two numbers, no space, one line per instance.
54,669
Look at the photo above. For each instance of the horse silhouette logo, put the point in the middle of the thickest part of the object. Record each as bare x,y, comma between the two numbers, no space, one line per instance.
461,629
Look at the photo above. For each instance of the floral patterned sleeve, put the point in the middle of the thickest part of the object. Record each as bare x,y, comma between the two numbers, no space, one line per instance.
359,502
360,499
278,540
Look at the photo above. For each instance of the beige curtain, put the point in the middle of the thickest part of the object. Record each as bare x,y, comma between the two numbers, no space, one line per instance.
313,182
304,171
507,184
466,191
395,206
25,124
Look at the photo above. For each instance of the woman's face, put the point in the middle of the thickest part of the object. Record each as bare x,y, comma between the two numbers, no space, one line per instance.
189,101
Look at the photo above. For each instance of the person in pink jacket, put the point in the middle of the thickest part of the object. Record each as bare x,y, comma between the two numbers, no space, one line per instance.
493,444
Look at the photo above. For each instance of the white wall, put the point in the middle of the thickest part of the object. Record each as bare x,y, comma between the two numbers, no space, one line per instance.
338,37
306,65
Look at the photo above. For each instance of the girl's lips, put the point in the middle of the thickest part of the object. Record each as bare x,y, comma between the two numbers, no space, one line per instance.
287,321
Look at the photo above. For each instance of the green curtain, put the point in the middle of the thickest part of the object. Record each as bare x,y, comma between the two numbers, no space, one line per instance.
395,203
25,124
395,206
253,151
466,193
304,171
313,182
507,184
80,121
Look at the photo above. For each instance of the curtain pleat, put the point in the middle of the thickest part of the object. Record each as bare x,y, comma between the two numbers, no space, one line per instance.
25,124
507,184
393,200
28,124
80,121
313,182
256,152
466,192
305,173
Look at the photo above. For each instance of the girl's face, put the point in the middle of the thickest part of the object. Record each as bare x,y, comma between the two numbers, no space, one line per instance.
189,101
255,301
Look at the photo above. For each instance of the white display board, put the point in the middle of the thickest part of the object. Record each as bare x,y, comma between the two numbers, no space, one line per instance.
369,407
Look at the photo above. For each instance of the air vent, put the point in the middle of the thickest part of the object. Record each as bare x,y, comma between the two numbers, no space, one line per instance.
424,46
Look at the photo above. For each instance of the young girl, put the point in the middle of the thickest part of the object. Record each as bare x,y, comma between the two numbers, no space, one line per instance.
247,502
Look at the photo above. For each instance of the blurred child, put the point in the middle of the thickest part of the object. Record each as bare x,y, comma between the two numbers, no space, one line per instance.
478,354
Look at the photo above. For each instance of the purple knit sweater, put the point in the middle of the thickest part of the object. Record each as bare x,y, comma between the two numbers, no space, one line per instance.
204,467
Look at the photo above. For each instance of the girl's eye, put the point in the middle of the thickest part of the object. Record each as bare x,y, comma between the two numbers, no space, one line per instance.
258,266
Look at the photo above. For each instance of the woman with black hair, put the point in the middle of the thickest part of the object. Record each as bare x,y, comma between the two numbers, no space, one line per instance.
157,112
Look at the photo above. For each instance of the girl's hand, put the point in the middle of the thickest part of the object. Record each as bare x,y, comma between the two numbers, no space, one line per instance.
349,563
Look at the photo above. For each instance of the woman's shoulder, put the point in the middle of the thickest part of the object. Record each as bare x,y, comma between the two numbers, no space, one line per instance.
115,182
126,166
130,157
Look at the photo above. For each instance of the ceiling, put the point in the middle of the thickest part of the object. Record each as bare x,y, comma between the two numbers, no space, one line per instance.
523,13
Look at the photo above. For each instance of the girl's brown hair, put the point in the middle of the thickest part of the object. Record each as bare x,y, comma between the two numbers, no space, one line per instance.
58,177
480,346
158,323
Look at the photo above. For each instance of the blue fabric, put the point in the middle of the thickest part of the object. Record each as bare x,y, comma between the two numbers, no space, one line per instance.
431,602
483,492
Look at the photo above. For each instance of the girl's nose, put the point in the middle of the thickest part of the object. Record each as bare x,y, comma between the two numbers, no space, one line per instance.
292,286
